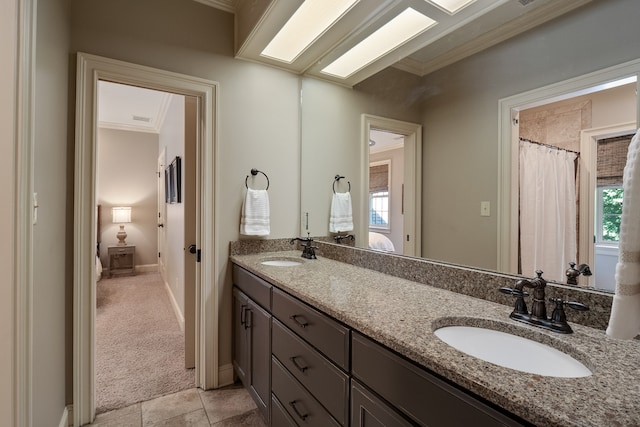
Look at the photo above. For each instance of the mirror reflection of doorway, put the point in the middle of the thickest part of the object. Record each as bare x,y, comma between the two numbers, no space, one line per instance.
579,127
386,198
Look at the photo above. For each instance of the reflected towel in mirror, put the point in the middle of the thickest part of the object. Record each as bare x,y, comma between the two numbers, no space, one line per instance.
255,213
341,218
624,322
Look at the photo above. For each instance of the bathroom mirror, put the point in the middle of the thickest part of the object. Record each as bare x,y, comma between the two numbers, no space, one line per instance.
463,178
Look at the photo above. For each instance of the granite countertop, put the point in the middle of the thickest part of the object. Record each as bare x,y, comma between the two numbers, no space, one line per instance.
402,315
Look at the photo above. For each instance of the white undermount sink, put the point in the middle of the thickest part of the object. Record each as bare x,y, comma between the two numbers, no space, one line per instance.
512,351
281,263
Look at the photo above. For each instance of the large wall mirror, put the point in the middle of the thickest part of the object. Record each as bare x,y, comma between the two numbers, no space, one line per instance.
466,112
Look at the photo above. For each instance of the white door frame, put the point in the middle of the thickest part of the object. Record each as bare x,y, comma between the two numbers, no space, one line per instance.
508,158
412,179
90,69
588,163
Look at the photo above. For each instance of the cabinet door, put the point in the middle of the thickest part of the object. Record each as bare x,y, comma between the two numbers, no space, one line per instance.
240,336
259,331
367,410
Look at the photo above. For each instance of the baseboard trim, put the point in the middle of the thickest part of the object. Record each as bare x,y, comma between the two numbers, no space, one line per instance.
225,375
64,421
147,268
175,306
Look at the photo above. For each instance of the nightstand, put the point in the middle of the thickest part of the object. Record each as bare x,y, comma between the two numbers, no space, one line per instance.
122,260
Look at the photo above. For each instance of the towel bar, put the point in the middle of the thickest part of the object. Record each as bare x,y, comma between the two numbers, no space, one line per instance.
337,178
255,172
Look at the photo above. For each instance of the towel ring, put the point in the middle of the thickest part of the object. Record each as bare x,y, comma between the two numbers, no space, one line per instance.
337,179
255,172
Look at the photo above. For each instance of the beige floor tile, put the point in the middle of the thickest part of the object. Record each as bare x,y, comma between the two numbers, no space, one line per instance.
248,419
171,406
226,403
131,416
192,419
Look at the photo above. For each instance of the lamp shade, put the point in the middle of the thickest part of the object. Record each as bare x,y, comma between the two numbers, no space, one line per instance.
121,214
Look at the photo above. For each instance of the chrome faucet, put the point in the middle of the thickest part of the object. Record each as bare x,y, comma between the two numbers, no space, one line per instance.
308,251
538,315
339,238
573,272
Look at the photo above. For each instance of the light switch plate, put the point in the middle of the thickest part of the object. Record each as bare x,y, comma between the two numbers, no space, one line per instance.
485,208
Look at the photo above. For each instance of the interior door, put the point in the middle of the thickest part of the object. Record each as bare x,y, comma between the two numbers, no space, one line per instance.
162,213
191,264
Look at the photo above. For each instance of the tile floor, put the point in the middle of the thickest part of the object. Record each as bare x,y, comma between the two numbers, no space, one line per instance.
226,407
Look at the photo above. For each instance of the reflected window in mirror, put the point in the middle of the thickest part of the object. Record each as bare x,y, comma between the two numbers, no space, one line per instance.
609,214
379,195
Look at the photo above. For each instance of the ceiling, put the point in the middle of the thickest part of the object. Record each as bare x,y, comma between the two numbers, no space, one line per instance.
479,25
131,108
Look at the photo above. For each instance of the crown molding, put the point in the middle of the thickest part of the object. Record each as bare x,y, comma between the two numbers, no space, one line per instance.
226,5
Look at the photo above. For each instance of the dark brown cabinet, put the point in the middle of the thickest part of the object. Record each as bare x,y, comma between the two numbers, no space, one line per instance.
304,368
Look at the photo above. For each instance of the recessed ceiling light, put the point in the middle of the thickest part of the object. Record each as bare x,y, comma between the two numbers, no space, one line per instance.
394,33
451,6
309,22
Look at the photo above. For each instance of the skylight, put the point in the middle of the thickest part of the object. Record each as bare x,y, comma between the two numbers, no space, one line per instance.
451,6
309,22
391,35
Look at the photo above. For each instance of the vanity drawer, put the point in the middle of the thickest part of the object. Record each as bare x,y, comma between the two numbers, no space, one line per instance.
315,372
322,332
299,404
279,416
421,396
253,286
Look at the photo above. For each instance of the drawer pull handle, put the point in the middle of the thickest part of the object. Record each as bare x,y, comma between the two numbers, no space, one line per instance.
302,324
303,417
300,367
243,315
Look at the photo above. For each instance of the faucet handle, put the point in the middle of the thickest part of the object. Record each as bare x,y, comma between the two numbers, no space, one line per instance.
514,292
558,314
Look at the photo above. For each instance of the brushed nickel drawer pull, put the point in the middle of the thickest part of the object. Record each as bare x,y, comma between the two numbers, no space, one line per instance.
302,324
303,417
300,367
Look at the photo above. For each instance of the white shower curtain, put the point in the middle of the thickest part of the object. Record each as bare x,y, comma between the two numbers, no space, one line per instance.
548,239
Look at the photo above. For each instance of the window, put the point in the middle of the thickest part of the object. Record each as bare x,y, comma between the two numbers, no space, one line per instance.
379,184
608,214
379,209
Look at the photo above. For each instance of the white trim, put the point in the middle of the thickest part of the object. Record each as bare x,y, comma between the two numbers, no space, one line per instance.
226,375
64,420
23,214
90,69
412,178
587,159
147,268
226,5
507,206
175,306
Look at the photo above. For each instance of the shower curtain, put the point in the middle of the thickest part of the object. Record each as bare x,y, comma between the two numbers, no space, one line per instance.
548,240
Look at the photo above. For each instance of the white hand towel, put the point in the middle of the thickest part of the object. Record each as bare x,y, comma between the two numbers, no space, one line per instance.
624,322
255,213
341,218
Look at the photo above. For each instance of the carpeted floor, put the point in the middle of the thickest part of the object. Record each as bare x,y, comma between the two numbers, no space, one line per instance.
139,344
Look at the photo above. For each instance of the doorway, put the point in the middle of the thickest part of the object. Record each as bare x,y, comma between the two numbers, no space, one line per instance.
410,197
509,110
137,129
91,70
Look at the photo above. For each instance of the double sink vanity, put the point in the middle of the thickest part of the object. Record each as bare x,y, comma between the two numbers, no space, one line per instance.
361,342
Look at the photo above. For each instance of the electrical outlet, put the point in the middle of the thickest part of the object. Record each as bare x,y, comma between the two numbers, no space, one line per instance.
485,208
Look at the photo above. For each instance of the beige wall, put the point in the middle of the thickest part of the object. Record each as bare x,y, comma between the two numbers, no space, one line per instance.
172,138
126,176
8,32
258,106
460,118
52,236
